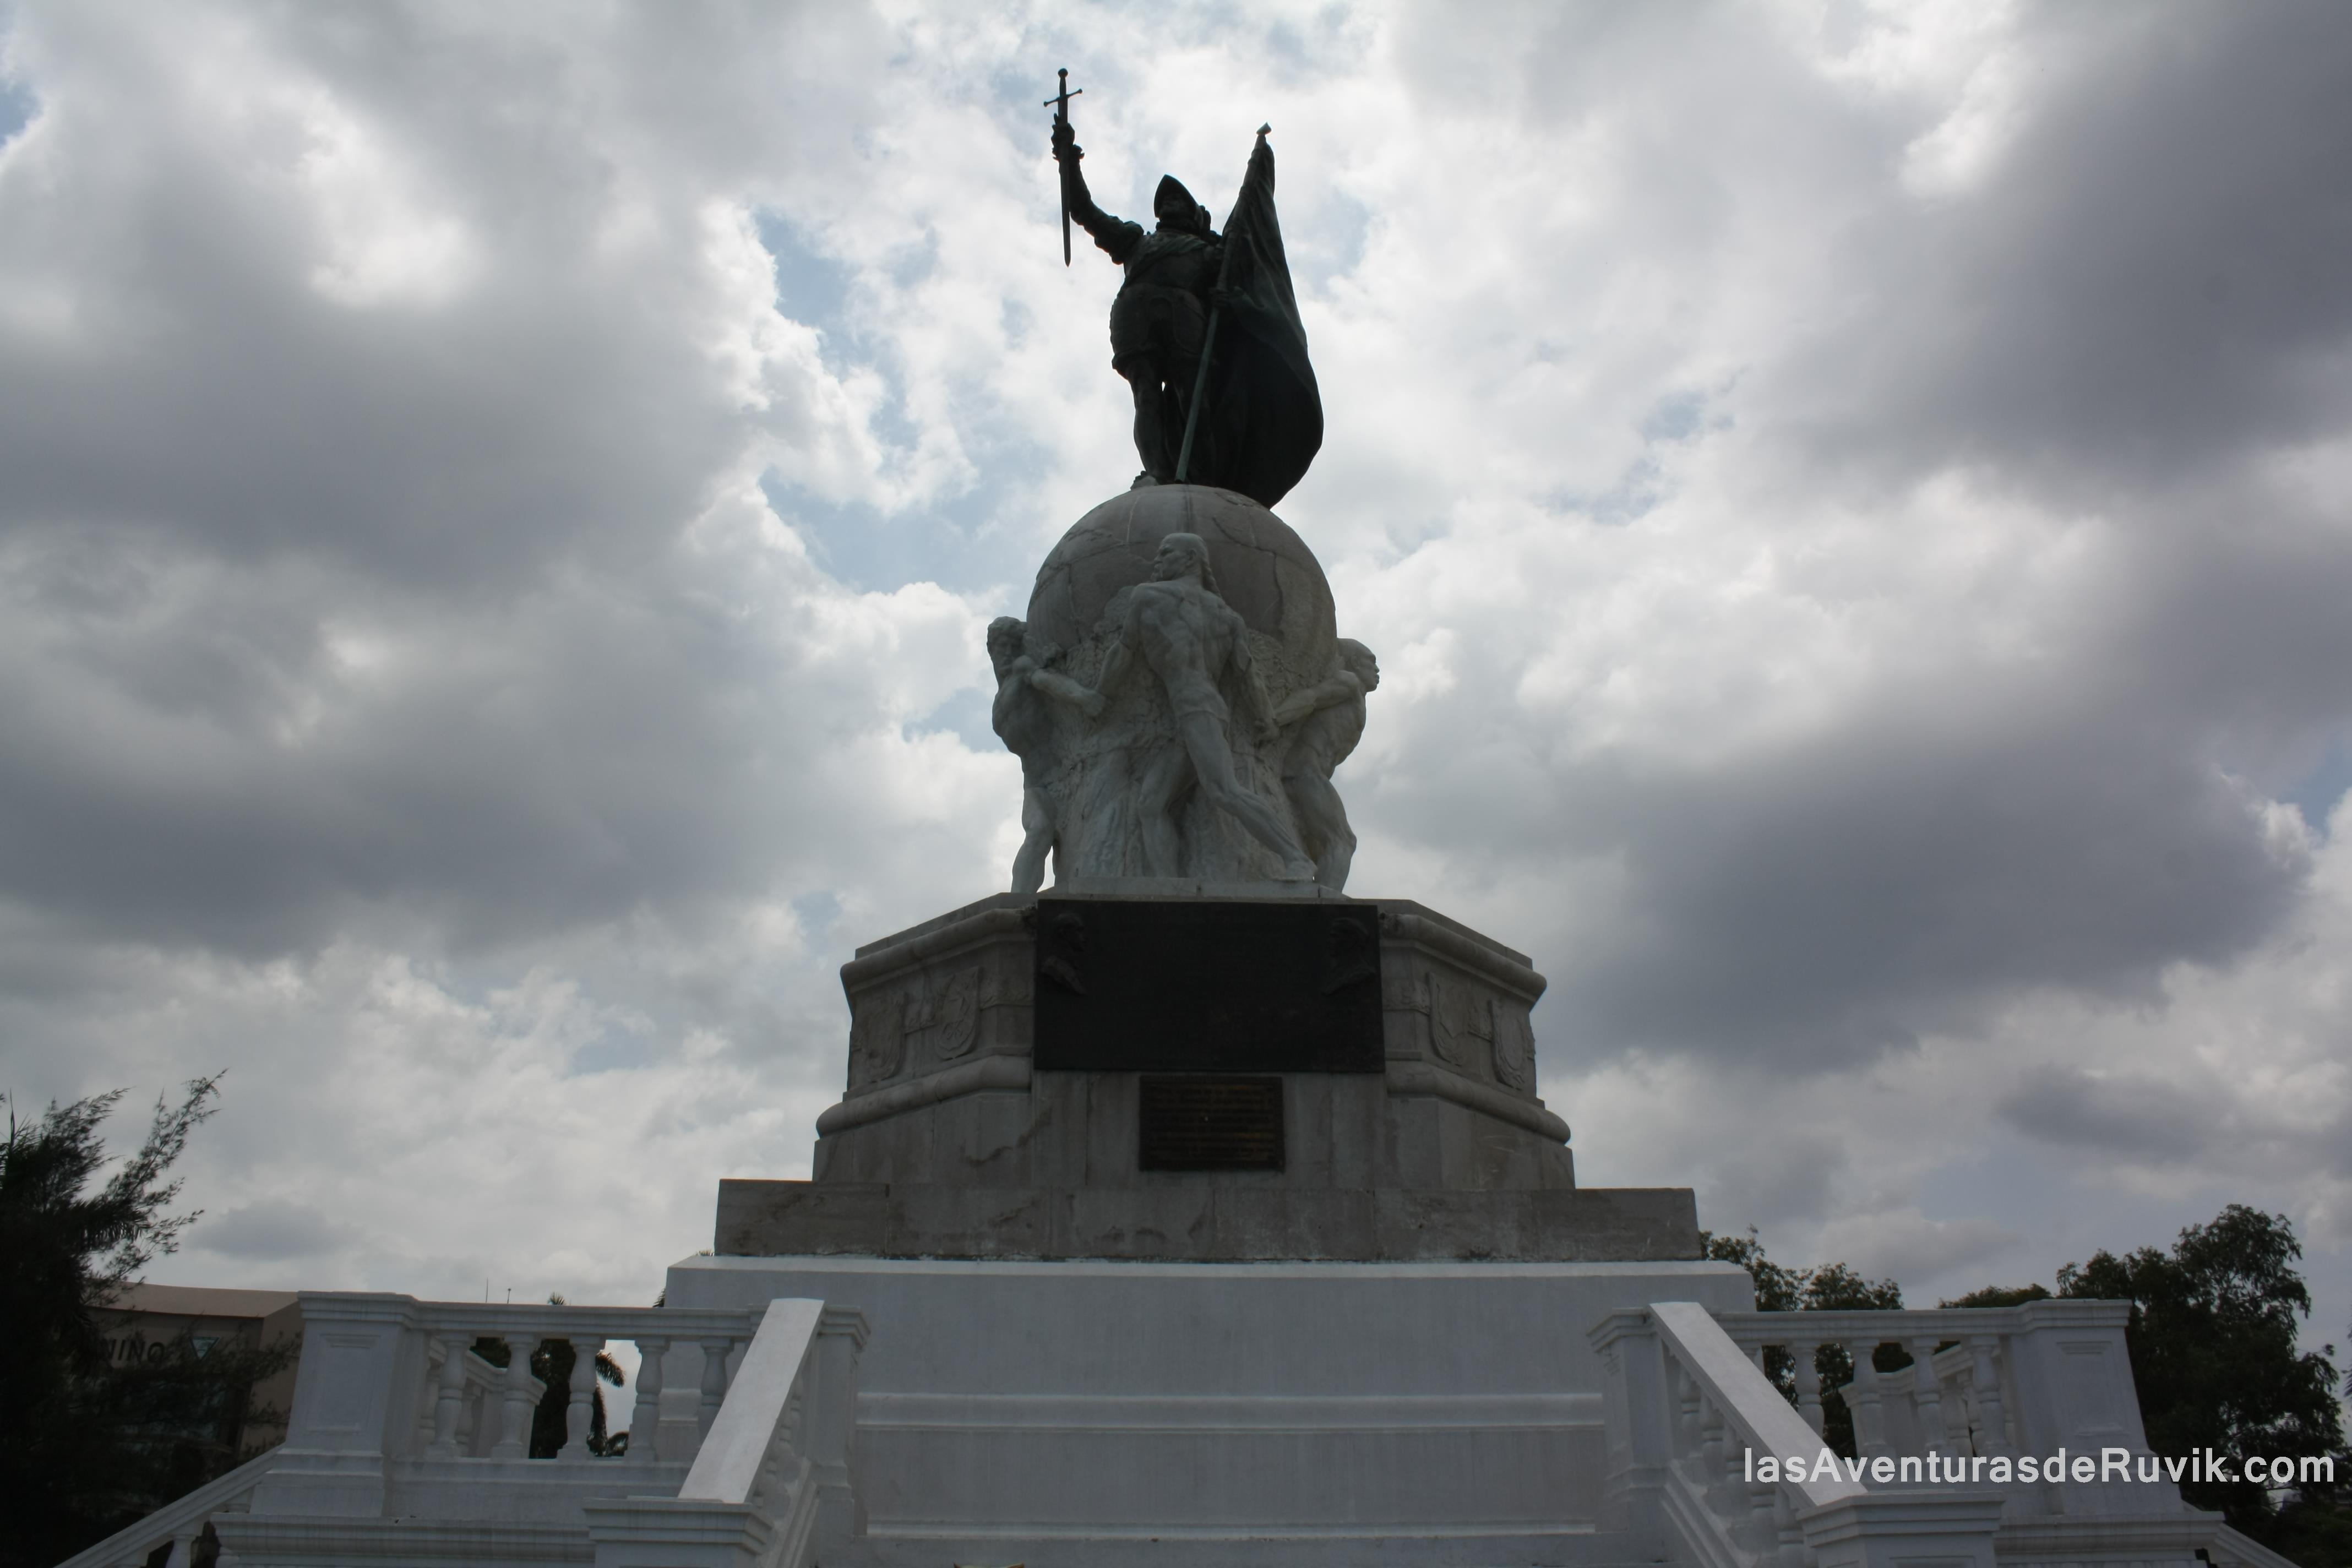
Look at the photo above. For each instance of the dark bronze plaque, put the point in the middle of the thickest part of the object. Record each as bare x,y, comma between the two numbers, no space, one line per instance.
1205,1122
1190,986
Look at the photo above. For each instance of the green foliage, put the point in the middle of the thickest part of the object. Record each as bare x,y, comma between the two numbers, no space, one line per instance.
90,1445
2314,1530
2213,1333
2000,1296
1825,1288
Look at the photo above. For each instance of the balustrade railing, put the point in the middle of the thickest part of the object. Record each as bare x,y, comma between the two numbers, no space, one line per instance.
758,1491
1946,1398
407,1443
471,1409
1971,1386
1687,1407
1700,1437
2016,1423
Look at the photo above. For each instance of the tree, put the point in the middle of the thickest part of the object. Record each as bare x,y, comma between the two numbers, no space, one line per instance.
1824,1287
2000,1296
90,1446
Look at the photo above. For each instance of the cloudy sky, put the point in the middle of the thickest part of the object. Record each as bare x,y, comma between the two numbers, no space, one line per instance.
498,505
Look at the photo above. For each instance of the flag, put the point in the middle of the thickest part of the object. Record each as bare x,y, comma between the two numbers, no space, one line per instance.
1264,418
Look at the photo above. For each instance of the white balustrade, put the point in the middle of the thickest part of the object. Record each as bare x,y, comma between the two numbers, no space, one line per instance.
407,1442
1957,1397
480,1411
1701,1441
1697,1483
772,1454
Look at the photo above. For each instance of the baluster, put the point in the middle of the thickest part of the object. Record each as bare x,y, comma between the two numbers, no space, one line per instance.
1809,1383
790,1450
714,1382
1956,1417
1861,1394
183,1548
1987,1377
1927,1399
518,1397
1760,1522
421,1438
1756,1355
1714,1434
581,1415
453,1394
645,1420
1790,1536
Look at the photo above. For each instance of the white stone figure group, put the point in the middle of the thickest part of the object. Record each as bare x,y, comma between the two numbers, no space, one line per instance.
1197,650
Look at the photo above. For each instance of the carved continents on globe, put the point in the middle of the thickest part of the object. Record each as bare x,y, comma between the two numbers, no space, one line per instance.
1088,767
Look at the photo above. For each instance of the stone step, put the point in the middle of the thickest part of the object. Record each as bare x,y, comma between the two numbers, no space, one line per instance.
1203,1222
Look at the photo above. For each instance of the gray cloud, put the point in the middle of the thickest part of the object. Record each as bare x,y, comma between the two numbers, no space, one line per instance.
1853,515
2141,1118
2148,288
271,1232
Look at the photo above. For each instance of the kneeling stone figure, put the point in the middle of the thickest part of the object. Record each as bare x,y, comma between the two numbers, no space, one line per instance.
1025,725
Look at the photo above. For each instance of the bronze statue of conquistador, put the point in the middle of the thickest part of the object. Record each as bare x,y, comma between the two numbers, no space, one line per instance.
1261,420
1161,319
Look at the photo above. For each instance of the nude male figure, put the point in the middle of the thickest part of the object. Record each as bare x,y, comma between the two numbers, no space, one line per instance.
1329,717
1190,637
1026,727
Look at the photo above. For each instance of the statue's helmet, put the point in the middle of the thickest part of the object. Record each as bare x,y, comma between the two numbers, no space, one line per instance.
1172,198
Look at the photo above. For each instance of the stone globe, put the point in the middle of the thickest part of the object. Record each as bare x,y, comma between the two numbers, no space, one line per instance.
1263,568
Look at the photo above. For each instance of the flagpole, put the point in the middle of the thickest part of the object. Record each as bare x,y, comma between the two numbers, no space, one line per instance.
1209,342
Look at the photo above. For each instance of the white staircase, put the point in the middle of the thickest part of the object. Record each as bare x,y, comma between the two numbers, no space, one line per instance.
749,1435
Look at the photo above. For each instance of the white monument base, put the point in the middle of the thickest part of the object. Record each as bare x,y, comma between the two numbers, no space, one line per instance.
1074,1413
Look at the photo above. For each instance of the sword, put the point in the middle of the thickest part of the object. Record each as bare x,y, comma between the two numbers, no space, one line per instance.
1060,104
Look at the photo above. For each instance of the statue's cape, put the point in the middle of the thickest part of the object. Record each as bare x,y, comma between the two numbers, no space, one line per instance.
1265,413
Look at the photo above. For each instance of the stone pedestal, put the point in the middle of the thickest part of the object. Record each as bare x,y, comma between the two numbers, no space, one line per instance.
1428,1142
1210,1223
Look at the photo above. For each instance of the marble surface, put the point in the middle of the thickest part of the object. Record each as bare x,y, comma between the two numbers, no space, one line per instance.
1128,740
949,1141
1094,1413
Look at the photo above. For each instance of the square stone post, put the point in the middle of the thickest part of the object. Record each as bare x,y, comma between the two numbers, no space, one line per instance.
2072,1379
1902,1528
841,1336
1637,1405
356,1393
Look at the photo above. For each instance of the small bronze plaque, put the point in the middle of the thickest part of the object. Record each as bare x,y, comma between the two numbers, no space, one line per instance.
1203,1121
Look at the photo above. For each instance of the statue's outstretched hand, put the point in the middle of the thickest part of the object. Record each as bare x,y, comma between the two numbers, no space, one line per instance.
1065,142
1092,703
1294,706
